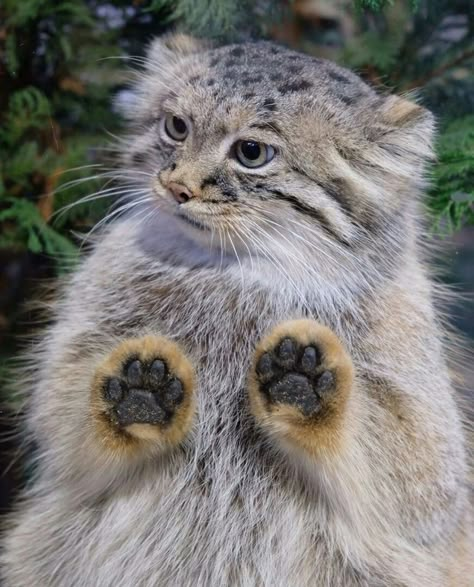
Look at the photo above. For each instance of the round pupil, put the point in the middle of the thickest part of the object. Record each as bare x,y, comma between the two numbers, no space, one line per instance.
179,125
250,150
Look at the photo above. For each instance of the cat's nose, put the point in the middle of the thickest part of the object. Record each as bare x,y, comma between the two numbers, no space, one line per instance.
180,192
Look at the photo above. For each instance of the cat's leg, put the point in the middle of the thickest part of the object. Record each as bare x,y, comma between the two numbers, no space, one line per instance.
105,411
142,397
305,398
368,448
105,415
300,385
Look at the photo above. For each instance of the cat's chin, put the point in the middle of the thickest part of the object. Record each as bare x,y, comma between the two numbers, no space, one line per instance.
193,222
182,241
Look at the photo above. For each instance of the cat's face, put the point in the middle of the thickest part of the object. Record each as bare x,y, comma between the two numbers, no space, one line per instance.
276,156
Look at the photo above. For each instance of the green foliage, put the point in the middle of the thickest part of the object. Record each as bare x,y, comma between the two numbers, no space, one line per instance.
378,46
213,18
452,198
31,227
28,109
55,94
222,19
378,5
375,5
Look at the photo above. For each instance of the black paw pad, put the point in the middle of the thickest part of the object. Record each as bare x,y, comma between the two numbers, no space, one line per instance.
145,393
294,374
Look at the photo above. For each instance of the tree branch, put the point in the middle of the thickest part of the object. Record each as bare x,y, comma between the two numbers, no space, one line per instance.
438,71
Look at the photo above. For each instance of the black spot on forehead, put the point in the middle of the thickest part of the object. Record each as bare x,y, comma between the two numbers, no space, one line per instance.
262,55
295,86
255,67
232,74
339,77
276,77
252,79
237,52
295,68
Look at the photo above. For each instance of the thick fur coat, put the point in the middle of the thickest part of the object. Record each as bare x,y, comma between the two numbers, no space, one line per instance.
330,230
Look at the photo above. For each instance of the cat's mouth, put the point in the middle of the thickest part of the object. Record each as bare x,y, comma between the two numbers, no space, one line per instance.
182,215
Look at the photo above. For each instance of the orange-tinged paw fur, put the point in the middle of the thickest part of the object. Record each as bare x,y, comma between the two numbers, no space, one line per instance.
143,394
300,383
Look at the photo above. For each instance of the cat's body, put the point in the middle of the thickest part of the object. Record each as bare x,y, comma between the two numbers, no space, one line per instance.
230,505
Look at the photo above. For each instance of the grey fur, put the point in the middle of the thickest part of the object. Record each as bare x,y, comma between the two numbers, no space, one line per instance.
230,507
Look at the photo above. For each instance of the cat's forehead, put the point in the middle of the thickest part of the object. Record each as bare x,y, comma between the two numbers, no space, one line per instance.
274,75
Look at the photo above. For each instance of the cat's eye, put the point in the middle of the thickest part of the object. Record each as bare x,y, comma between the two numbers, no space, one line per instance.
176,127
253,154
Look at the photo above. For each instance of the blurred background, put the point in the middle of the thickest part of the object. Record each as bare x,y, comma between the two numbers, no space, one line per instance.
63,70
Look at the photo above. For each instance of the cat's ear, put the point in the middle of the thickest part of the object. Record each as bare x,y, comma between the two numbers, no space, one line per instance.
162,55
402,126
171,48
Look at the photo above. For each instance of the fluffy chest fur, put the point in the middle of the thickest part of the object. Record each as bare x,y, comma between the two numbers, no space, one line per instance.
216,511
226,508
221,508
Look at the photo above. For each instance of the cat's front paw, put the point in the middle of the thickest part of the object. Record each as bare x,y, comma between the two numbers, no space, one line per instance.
144,390
295,374
300,383
144,393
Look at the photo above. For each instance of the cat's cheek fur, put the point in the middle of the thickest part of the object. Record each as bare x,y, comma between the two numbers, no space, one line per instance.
324,433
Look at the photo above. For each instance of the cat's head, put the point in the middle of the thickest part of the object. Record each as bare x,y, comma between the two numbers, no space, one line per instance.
276,157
